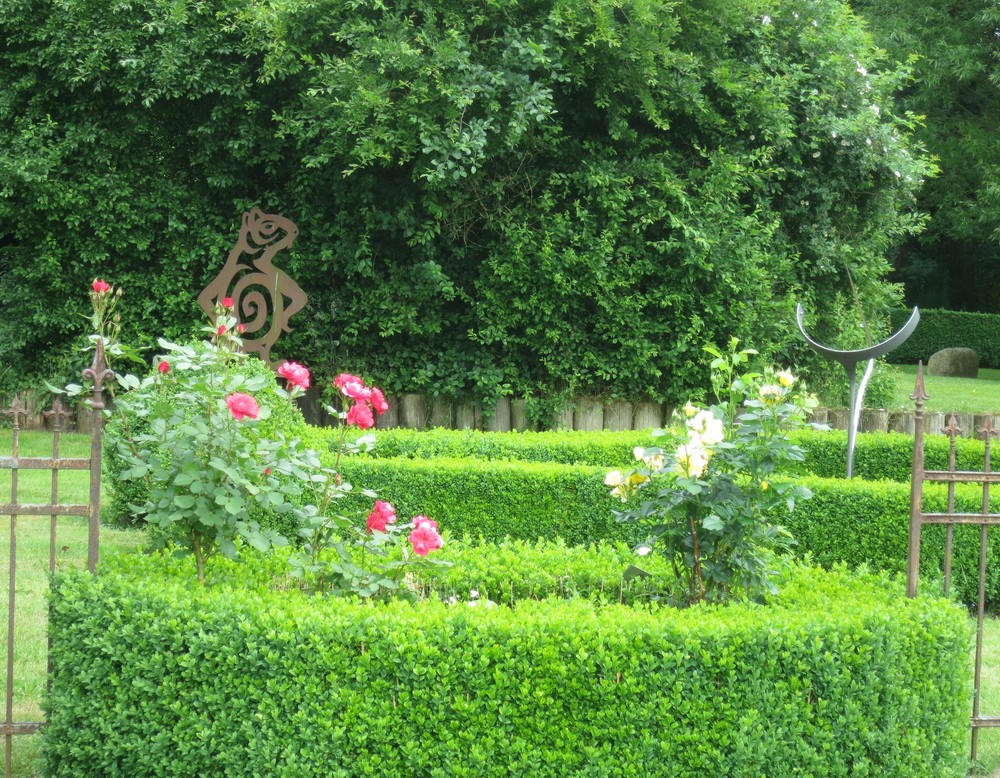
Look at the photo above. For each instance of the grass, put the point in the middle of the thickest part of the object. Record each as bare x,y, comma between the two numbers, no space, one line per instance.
32,583
948,395
32,575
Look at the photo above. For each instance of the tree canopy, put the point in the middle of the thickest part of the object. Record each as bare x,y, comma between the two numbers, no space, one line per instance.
952,46
509,197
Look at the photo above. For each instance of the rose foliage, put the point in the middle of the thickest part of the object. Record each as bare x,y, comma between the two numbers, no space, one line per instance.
186,431
707,497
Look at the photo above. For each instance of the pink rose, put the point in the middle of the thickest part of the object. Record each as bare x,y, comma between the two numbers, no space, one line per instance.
100,286
357,391
361,415
345,378
163,367
242,406
420,521
295,374
241,328
227,302
425,537
378,401
267,471
221,330
383,514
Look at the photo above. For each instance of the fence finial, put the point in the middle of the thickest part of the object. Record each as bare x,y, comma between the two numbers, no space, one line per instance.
919,395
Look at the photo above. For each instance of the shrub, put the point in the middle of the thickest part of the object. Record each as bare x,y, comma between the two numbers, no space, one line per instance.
857,522
839,675
283,417
526,500
878,455
946,329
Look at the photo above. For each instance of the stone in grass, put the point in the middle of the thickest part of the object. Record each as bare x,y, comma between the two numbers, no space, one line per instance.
958,362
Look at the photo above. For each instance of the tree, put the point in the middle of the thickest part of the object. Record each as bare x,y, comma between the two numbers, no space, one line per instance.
518,197
952,45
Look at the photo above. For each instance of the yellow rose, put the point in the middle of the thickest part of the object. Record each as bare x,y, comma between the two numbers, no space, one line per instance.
785,378
690,410
770,392
691,461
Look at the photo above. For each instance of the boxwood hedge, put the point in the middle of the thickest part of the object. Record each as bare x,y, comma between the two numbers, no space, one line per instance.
839,675
878,455
857,522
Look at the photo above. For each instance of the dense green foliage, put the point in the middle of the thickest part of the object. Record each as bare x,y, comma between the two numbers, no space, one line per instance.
282,416
840,675
859,522
947,329
953,43
495,499
878,456
508,198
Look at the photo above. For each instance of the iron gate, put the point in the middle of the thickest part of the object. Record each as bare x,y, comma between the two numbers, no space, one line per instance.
983,519
98,373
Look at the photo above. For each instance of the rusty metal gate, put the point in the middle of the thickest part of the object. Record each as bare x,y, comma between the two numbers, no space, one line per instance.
983,519
98,373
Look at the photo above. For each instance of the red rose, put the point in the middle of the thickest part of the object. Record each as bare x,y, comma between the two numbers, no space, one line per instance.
242,406
100,286
378,401
361,415
241,328
383,514
295,374
227,302
163,367
221,330
425,537
345,378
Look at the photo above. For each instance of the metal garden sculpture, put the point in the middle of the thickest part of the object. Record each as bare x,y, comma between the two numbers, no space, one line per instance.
264,297
850,359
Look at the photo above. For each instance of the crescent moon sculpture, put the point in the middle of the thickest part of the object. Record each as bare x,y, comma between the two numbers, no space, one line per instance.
850,360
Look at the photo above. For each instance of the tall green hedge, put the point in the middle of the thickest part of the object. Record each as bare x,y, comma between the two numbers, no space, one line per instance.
940,329
518,197
840,675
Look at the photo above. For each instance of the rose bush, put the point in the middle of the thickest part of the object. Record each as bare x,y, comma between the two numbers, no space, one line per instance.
707,495
188,432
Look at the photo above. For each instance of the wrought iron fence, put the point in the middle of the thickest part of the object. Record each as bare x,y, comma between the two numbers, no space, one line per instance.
15,508
983,519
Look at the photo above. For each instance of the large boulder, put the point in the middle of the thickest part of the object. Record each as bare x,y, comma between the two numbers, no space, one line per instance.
960,362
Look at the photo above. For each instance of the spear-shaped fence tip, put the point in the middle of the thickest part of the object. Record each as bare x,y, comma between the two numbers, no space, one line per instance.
919,395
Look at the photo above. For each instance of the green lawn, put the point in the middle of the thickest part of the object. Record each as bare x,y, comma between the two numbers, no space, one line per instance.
958,395
32,584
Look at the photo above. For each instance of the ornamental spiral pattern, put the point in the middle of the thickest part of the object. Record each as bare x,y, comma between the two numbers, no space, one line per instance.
264,297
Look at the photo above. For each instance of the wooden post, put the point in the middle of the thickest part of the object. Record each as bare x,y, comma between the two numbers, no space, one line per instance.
648,416
501,421
589,415
618,415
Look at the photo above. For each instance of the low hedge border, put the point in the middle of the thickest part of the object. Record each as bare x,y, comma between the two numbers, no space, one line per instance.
857,522
878,455
840,675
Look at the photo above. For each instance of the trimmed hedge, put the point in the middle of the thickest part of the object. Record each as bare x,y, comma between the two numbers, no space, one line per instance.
840,675
877,456
857,522
525,500
940,329
883,456
602,447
